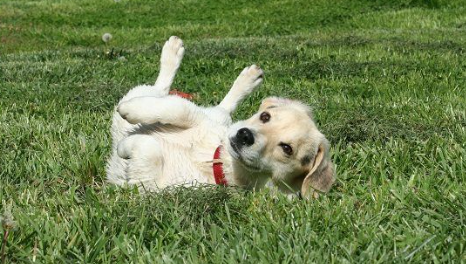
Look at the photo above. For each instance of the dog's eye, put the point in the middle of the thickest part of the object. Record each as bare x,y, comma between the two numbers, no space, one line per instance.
286,148
265,117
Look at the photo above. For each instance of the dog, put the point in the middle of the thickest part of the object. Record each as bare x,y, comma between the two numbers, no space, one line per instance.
162,140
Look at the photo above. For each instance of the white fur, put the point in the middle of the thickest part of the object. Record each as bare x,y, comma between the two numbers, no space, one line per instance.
162,140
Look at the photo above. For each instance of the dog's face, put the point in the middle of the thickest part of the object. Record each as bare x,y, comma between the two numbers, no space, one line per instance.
282,141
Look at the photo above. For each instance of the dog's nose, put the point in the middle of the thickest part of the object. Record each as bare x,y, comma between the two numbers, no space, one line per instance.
244,137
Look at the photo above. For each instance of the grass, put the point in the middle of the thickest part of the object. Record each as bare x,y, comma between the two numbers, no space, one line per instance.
386,79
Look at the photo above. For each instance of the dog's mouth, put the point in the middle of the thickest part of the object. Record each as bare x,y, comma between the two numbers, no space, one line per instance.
237,156
235,148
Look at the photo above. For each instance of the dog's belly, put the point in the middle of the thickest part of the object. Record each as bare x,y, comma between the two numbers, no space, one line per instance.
185,155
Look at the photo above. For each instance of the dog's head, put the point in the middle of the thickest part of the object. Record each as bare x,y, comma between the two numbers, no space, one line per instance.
282,141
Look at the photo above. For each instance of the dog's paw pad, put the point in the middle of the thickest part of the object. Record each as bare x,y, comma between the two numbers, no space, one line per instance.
250,77
253,72
174,43
172,53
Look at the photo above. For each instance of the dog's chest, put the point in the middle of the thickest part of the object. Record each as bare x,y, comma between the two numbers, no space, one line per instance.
188,154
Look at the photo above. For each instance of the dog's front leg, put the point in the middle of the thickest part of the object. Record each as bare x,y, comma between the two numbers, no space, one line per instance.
171,110
250,78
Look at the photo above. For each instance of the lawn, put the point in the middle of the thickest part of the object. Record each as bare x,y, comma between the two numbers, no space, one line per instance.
386,80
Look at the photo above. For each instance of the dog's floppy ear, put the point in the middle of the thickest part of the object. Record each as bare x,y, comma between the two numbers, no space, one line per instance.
321,175
270,102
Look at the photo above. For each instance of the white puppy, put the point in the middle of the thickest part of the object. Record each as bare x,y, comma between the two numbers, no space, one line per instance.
162,140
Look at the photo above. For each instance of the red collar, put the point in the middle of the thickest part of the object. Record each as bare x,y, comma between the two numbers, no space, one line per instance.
218,168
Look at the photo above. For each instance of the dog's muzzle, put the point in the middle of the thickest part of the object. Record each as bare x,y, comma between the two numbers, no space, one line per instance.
244,138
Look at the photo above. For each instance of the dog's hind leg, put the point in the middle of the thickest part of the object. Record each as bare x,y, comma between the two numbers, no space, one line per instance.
172,54
170,61
250,78
144,157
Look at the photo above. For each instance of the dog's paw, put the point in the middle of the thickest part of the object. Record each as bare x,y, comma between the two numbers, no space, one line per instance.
172,54
125,147
132,111
250,78
140,146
